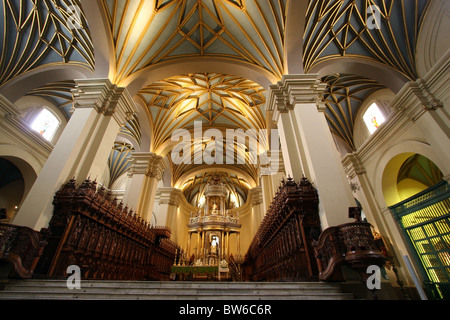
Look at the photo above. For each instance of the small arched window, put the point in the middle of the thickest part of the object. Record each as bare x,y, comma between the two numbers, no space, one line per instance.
46,124
373,118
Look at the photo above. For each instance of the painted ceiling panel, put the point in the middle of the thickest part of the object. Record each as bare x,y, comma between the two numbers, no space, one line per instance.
340,28
343,98
118,161
150,32
211,98
37,33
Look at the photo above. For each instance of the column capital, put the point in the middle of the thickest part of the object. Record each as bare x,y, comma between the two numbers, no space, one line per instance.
105,97
169,196
147,163
273,164
353,165
256,195
415,99
295,89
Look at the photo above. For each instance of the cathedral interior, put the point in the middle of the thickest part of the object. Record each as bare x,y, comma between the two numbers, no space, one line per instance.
236,140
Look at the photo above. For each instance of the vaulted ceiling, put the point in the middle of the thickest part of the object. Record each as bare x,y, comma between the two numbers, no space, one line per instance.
37,33
148,36
340,28
148,32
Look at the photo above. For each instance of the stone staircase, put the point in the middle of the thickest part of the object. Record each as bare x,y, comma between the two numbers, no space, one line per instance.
149,290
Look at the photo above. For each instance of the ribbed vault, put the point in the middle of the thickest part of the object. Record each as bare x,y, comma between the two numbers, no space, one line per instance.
149,34
38,33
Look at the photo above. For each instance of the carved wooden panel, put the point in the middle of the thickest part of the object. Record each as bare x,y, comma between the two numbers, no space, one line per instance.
106,240
282,247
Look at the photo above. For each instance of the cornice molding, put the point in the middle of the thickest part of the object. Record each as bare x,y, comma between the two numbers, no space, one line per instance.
106,98
147,163
353,165
292,90
170,196
13,126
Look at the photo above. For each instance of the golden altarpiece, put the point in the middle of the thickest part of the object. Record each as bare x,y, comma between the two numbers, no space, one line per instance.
213,223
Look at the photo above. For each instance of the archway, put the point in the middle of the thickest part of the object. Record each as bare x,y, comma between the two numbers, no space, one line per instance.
408,174
12,189
423,216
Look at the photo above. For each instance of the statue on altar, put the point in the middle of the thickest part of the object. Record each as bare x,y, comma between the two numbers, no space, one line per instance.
213,225
214,205
214,244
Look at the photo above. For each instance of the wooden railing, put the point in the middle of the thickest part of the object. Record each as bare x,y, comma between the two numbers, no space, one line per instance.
282,248
330,254
91,230
350,244
21,248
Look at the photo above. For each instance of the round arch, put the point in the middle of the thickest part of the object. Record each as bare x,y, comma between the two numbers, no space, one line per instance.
434,38
386,171
27,171
387,76
101,38
224,168
165,70
20,86
295,26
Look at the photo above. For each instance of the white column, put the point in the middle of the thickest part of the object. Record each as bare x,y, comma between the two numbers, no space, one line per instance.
257,208
271,177
167,209
146,171
136,174
114,107
82,150
307,144
357,175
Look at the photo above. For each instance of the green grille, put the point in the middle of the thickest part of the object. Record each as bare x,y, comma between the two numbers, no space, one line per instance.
425,219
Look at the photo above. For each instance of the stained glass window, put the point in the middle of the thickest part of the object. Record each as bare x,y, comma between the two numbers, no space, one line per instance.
46,124
373,118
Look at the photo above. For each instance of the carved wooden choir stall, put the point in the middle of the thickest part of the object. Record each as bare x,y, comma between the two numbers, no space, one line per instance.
107,241
91,230
282,247
20,250
289,244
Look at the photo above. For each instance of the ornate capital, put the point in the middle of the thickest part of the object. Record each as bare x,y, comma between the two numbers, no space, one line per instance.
256,195
415,99
272,164
149,164
296,89
106,98
353,165
169,196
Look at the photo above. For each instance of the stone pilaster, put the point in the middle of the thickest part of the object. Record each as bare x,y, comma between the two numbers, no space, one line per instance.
83,148
307,144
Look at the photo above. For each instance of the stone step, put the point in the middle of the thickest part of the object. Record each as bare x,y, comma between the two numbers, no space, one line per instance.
178,284
111,290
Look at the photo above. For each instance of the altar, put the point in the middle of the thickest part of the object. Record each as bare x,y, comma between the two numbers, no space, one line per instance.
214,223
199,273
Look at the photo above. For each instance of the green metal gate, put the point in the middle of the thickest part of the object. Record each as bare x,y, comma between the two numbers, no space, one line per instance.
425,220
